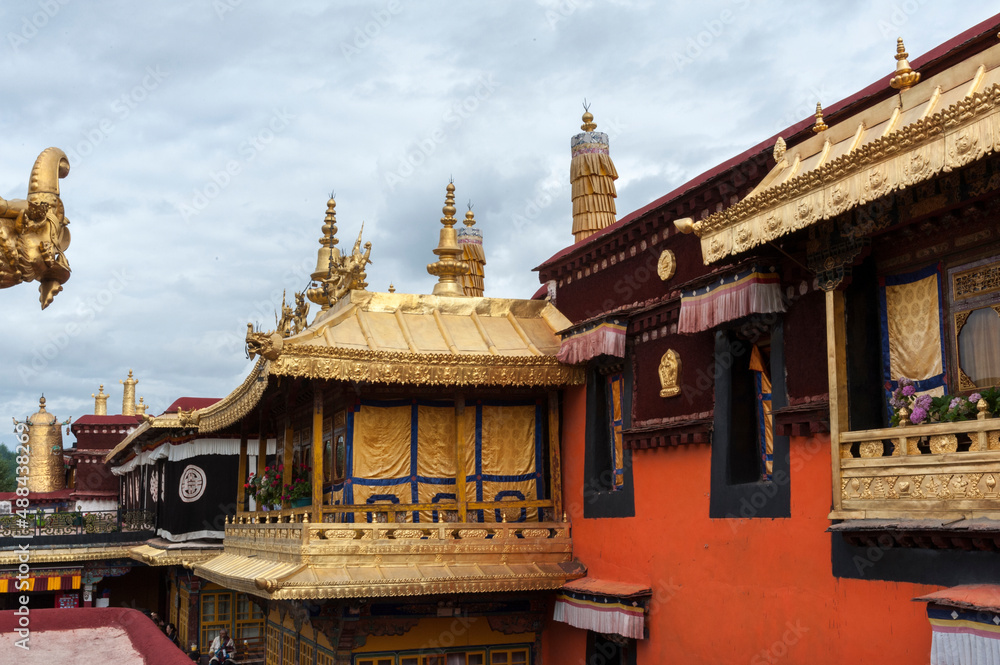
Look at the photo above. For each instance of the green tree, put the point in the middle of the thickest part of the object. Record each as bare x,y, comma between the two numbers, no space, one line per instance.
8,477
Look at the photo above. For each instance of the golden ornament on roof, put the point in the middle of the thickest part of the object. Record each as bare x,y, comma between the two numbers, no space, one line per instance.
448,268
33,233
336,274
905,76
819,125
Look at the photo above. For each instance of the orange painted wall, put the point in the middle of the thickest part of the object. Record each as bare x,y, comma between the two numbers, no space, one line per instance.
733,591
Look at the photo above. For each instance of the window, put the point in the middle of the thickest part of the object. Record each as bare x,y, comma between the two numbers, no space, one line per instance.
607,466
974,298
610,649
381,660
287,647
509,656
249,620
273,644
216,614
305,653
749,462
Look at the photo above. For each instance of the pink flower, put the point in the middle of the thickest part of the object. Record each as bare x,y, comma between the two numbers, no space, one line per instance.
909,391
918,416
975,397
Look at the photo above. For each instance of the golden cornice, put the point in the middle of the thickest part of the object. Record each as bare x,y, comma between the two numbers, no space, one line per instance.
949,139
153,556
66,554
375,366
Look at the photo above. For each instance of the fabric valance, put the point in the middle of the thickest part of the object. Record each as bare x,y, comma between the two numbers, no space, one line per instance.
603,607
755,290
605,337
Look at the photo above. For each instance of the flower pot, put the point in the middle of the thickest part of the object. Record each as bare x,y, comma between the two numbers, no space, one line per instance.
301,502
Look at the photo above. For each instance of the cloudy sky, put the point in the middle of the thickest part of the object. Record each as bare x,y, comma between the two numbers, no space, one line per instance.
205,137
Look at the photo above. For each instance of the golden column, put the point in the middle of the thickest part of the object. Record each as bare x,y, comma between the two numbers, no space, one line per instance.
128,396
449,267
100,402
317,453
46,471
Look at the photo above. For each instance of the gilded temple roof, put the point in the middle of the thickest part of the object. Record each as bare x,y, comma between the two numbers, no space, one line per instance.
939,124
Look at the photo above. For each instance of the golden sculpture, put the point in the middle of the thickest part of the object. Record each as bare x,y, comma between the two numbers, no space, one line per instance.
100,402
592,177
905,77
335,274
449,267
140,408
670,374
667,265
33,233
301,315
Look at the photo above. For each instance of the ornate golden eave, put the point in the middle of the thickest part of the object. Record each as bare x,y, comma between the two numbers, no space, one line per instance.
41,555
228,410
940,124
409,339
172,556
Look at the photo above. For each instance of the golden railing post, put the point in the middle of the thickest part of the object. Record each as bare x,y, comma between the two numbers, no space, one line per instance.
241,491
317,454
286,459
460,457
982,443
836,362
555,461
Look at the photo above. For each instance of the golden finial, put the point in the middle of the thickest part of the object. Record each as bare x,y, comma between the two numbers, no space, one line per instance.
448,268
819,126
588,118
41,404
905,77
140,408
392,289
128,395
100,402
328,252
470,218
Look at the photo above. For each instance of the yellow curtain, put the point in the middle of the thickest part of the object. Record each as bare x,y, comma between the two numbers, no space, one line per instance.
381,443
914,328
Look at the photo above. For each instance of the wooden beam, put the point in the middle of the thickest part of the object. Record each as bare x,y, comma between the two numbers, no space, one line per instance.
836,358
317,453
555,459
460,457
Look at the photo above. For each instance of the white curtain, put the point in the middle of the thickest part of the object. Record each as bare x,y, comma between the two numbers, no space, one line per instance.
979,347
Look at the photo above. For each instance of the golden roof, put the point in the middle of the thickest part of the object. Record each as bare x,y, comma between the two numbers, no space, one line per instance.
937,125
175,554
285,580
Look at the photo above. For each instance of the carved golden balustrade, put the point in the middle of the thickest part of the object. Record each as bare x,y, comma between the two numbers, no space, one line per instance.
934,471
290,536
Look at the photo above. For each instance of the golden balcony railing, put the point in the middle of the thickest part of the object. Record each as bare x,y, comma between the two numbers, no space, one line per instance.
933,471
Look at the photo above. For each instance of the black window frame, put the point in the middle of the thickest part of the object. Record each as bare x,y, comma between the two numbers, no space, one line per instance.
760,498
599,497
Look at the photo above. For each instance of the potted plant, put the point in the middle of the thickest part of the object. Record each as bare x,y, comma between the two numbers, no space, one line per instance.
299,491
923,409
265,488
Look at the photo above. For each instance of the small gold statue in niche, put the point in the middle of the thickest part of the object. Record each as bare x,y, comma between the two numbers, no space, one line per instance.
670,374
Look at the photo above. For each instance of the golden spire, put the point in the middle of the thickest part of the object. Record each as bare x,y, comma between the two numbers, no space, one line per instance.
128,395
819,126
100,402
905,77
140,408
328,256
46,471
592,176
392,289
448,268
471,241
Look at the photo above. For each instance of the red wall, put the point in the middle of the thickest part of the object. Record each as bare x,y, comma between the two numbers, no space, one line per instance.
731,591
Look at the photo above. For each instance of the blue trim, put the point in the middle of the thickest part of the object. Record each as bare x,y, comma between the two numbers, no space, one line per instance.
414,494
436,481
479,456
758,379
348,497
523,517
381,482
392,498
495,478
539,485
438,498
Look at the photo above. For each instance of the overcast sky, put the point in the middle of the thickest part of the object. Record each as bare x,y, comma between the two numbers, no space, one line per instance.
205,137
